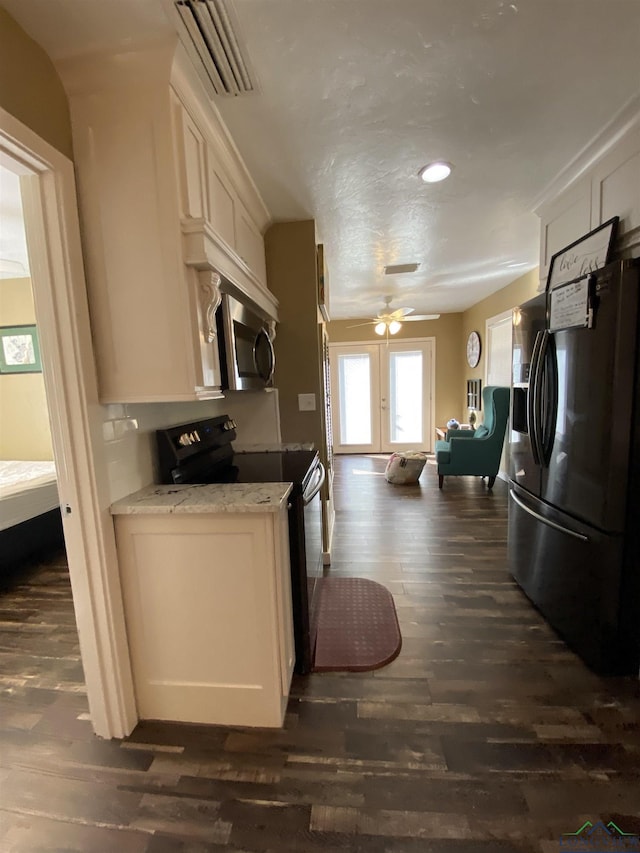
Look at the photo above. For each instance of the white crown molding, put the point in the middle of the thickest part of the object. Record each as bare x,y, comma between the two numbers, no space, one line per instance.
624,122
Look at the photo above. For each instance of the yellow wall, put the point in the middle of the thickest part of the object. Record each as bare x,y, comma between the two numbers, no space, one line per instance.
24,418
290,249
474,318
448,354
31,91
30,88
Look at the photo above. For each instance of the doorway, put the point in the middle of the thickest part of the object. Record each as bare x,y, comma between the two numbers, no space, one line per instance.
498,365
383,394
47,189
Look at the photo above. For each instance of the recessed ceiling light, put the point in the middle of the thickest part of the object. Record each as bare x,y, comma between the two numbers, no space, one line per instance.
436,171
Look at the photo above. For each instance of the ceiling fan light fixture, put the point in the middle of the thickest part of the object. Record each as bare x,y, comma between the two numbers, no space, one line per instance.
436,171
380,328
394,327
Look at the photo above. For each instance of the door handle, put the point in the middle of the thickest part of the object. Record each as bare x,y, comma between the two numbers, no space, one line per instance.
310,495
534,397
547,521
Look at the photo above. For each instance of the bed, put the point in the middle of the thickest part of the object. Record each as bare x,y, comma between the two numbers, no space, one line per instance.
30,521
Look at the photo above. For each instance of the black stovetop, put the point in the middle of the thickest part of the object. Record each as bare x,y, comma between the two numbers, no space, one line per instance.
201,452
274,466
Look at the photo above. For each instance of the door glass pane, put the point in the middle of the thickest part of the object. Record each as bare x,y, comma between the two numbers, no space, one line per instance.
355,399
405,389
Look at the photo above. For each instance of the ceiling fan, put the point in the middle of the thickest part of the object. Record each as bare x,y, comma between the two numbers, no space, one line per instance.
390,322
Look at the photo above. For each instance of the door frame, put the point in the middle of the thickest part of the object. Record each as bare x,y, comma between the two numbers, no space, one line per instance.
429,433
491,322
57,275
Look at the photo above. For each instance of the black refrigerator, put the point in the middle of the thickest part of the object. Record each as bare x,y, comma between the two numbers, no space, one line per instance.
574,507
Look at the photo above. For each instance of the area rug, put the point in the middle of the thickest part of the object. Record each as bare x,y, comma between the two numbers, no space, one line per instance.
357,626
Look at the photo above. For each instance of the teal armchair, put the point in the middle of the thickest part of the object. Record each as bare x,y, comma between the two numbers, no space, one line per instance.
477,453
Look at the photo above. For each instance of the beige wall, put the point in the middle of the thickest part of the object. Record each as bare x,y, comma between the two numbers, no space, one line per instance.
31,91
291,275
24,419
474,318
448,354
30,88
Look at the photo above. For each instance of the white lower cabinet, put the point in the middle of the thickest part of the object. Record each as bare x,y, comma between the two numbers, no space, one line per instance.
208,610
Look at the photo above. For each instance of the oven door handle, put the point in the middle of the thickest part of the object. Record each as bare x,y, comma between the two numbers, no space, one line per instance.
310,494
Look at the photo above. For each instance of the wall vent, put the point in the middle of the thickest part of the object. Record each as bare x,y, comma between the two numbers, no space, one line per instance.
398,269
209,38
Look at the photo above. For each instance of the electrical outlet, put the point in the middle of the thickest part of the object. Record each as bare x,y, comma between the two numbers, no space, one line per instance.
306,402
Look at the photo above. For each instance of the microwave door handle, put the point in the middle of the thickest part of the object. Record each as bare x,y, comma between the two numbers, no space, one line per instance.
310,494
262,334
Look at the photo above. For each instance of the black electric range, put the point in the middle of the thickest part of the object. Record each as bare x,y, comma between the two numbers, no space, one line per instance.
202,452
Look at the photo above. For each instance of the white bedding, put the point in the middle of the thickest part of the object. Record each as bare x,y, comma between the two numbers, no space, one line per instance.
27,489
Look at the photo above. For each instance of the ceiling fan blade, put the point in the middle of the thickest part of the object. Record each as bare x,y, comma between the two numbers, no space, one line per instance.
422,317
399,313
368,323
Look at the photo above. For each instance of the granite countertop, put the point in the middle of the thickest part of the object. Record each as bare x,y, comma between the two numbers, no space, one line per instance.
204,498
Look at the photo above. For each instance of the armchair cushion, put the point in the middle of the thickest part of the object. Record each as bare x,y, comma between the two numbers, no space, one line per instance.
459,433
442,450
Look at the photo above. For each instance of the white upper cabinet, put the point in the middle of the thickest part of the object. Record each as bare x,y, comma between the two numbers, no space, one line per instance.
603,182
615,186
160,190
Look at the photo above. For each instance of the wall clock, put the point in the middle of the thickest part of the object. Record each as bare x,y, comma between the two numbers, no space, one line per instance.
473,349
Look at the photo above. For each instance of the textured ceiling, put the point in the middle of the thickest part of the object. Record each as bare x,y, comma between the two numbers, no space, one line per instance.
356,95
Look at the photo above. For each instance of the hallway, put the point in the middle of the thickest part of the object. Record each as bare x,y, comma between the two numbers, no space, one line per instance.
485,735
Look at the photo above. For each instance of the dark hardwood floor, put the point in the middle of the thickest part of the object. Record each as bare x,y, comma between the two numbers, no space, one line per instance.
485,735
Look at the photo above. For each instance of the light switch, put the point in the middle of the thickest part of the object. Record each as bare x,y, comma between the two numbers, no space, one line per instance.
306,402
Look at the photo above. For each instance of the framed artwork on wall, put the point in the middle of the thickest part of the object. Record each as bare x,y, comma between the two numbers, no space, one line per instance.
19,350
474,394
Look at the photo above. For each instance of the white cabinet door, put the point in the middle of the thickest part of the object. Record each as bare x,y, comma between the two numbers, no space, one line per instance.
222,200
563,222
191,165
616,191
250,243
207,603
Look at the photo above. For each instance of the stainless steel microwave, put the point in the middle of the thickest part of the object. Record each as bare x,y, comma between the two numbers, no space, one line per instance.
247,360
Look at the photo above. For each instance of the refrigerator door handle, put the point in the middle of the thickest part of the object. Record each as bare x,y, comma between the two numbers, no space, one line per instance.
547,521
550,392
534,396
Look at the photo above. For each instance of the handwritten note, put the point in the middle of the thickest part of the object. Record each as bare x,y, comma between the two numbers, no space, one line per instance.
569,305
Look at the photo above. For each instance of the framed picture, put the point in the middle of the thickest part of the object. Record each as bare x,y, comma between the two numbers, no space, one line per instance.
584,256
474,394
322,302
19,350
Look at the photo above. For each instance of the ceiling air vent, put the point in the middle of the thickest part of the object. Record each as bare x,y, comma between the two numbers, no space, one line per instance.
208,36
398,269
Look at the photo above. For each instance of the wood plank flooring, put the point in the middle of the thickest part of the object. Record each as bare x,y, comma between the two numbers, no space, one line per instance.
485,735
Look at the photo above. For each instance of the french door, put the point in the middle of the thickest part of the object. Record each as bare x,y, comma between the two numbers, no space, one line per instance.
383,396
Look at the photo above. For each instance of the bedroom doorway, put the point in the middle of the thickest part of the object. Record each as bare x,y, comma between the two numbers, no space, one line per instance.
30,521
47,189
